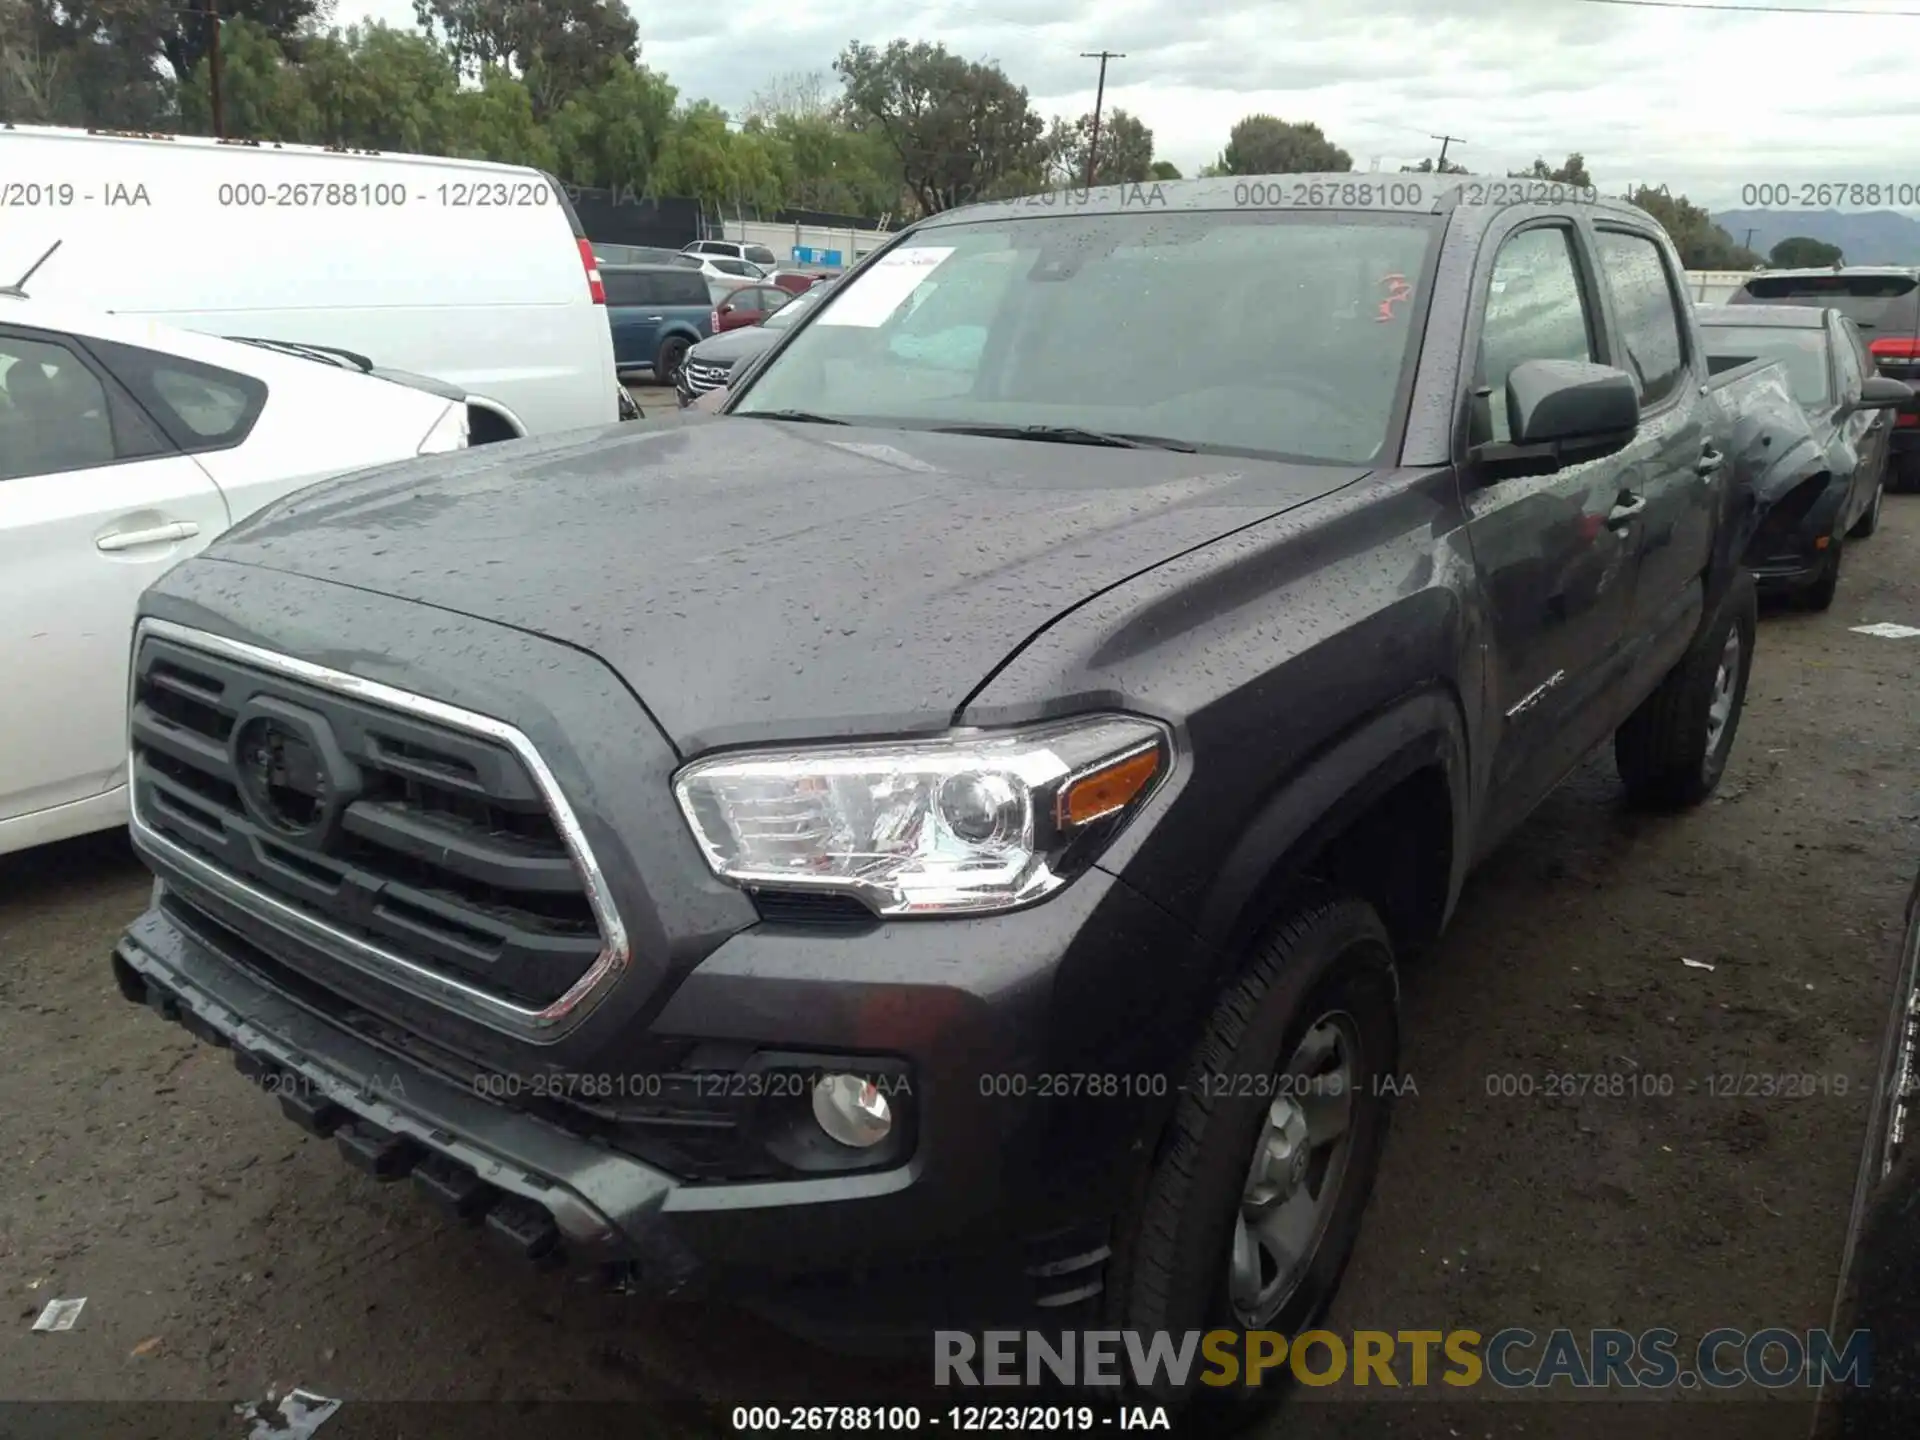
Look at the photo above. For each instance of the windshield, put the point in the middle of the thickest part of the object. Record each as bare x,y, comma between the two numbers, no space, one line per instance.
1237,331
1802,353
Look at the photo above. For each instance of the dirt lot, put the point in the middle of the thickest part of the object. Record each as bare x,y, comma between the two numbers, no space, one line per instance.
225,1256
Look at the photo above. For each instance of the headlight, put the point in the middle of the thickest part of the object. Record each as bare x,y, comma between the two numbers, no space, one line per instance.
970,823
449,432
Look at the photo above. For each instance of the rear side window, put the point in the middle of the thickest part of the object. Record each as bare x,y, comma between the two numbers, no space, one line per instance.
761,255
1878,304
200,407
1643,299
682,287
626,287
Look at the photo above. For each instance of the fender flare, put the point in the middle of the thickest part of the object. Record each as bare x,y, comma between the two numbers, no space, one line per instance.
1324,795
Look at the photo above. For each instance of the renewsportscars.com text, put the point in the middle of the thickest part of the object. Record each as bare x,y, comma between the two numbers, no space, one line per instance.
1511,1358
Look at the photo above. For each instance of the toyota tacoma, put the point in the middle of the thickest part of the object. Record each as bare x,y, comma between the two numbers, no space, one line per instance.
931,843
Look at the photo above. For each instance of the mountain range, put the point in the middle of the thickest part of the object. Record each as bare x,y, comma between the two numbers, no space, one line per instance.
1865,237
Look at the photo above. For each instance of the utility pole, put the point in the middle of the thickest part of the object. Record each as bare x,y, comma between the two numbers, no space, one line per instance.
1445,140
1099,97
1747,244
213,68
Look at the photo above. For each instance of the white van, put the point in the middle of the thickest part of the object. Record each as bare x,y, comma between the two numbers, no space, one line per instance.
471,273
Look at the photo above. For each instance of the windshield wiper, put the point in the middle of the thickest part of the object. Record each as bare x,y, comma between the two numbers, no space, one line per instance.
804,416
1069,435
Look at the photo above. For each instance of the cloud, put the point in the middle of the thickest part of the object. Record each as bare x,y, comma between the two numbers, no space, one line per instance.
1702,101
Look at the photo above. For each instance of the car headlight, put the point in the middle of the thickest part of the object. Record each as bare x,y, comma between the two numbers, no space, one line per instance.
969,823
449,432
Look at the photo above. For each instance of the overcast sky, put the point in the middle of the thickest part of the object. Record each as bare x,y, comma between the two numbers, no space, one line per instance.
1705,102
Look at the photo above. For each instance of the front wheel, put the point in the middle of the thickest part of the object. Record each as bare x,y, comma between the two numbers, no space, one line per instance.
1255,1200
1672,751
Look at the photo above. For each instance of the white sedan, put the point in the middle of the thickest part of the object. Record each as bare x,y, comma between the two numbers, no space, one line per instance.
126,446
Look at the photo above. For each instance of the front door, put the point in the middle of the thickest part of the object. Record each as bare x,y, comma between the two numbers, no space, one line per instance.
1555,553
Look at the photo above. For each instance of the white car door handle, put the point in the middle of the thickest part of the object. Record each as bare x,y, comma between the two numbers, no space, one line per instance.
157,535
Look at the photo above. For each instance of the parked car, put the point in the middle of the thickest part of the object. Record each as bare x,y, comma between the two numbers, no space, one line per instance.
125,446
1882,1253
1849,407
762,258
1117,709
657,313
725,270
797,282
611,254
749,305
1884,302
710,364
476,274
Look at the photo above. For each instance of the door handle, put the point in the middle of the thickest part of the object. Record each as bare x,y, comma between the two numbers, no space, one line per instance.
157,535
1628,506
1710,461
655,319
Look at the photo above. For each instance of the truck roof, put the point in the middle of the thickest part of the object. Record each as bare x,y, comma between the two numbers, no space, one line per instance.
135,139
1404,193
1764,317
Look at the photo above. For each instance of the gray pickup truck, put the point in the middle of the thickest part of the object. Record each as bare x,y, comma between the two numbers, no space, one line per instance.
932,842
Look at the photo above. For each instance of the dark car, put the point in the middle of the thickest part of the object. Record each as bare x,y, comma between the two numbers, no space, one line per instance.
1884,302
935,846
1877,1293
710,364
657,313
747,305
1799,550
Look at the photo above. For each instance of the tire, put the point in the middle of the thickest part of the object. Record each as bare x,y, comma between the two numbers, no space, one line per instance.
1667,752
1326,956
1819,595
666,365
1870,522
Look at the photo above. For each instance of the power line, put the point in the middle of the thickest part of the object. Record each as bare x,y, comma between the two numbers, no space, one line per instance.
1755,9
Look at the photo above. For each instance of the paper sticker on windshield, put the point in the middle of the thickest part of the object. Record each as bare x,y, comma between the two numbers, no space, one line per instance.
883,286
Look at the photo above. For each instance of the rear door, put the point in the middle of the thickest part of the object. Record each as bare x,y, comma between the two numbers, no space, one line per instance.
1672,464
95,504
634,312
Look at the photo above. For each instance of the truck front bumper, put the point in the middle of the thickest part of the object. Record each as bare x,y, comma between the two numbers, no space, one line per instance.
1001,1211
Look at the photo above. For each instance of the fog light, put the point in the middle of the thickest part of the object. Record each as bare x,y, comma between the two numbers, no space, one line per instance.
851,1110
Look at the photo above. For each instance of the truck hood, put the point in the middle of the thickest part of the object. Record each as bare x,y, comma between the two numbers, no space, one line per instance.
756,580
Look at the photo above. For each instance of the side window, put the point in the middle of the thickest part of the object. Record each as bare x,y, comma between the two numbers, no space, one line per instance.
1649,318
54,414
624,289
685,288
1535,311
1861,352
200,407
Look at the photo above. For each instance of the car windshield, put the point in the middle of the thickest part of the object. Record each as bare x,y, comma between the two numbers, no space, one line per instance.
1125,323
1802,353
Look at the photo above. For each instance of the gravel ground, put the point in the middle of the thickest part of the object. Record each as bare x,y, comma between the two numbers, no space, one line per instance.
226,1257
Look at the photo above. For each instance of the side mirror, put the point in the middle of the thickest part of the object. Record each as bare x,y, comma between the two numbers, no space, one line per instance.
1882,392
1561,412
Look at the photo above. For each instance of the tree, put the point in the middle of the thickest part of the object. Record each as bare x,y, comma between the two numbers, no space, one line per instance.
959,129
1125,155
68,64
1267,145
1163,170
262,97
374,87
612,135
802,94
1427,167
1802,252
496,121
1702,244
557,47
1574,172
